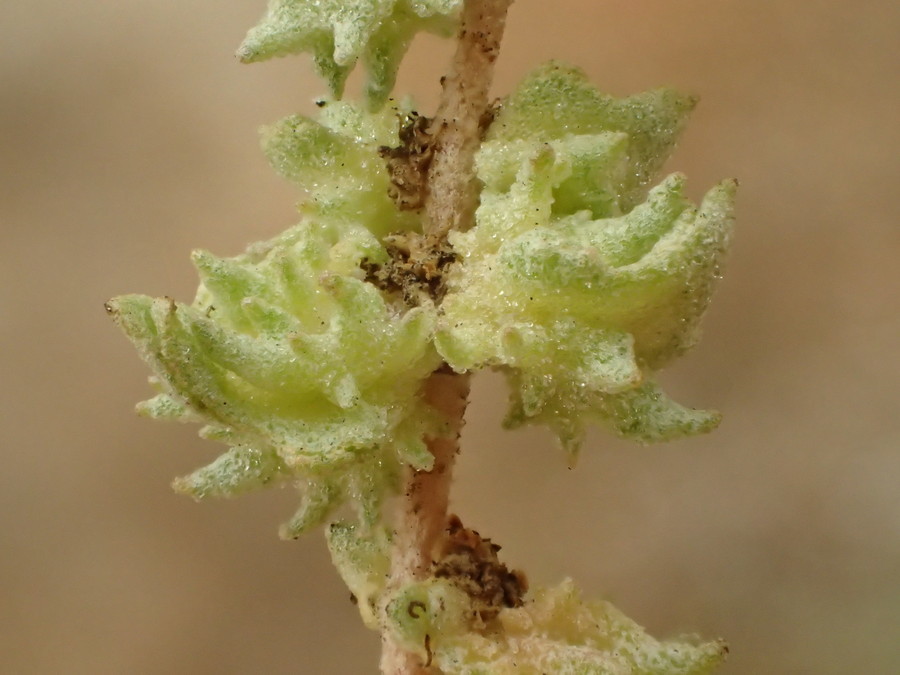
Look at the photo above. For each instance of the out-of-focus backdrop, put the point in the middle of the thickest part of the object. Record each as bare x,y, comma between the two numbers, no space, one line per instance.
127,138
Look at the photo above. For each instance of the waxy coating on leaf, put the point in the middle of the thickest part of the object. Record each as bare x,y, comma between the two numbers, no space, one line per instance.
578,295
577,281
363,561
574,281
339,32
336,160
299,365
558,103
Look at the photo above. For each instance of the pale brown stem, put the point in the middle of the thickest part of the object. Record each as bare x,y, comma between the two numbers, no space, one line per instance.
457,124
422,518
425,500
449,205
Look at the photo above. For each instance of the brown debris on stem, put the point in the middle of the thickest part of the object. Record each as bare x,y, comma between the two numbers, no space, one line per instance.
408,163
470,561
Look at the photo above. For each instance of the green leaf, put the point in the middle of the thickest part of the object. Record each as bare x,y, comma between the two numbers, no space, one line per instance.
235,472
336,160
557,101
362,557
573,286
339,32
321,497
556,631
303,368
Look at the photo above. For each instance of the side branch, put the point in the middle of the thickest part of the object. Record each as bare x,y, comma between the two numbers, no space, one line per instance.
457,124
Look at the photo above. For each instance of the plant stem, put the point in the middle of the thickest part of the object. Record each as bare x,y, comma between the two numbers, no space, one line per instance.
457,125
450,205
422,518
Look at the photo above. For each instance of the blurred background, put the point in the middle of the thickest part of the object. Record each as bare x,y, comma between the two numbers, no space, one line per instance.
127,137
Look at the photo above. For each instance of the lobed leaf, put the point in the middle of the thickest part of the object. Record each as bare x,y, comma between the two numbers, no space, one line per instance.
336,160
556,631
295,365
557,101
339,32
577,291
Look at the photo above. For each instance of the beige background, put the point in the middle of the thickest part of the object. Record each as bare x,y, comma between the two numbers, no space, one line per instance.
128,139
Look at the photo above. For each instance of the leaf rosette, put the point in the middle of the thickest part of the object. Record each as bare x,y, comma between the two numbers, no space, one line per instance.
299,365
574,280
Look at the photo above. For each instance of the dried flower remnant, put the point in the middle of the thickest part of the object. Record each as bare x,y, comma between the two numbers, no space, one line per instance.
471,562
408,163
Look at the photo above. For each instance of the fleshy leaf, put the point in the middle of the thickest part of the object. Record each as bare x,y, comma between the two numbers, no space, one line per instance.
558,102
575,290
556,631
339,32
336,161
321,494
305,370
363,561
165,407
233,473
